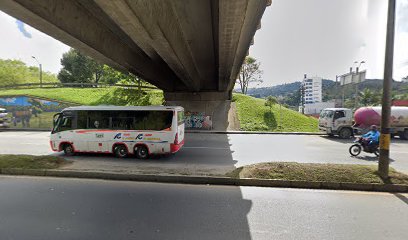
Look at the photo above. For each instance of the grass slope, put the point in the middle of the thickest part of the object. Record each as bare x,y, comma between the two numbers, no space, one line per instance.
255,116
93,96
31,162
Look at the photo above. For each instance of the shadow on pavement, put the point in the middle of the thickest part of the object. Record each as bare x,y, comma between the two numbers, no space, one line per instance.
203,214
401,197
337,139
369,158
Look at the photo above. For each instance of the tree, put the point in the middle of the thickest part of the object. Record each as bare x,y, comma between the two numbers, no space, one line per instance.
17,72
368,97
77,68
270,101
249,73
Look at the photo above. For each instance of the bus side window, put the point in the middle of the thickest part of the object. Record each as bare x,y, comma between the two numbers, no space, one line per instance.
81,120
98,119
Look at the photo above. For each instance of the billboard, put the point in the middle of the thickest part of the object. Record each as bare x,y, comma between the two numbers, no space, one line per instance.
352,78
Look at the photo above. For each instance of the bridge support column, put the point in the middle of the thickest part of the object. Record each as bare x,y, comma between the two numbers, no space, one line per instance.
205,110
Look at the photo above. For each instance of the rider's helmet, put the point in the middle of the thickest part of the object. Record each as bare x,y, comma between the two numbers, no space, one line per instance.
373,127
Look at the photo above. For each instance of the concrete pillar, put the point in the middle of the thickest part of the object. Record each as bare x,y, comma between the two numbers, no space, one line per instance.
204,110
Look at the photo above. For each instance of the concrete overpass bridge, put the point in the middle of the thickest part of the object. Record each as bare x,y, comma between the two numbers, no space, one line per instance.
191,49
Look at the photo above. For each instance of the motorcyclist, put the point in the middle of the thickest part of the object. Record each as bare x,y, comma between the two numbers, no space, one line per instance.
372,137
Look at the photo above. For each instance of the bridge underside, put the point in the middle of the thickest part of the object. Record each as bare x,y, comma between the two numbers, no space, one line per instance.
184,47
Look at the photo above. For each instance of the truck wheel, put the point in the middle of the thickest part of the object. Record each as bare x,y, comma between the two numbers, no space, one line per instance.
404,134
121,151
141,152
68,149
345,133
355,150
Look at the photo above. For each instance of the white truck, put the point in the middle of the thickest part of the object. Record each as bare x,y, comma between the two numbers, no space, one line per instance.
339,121
336,121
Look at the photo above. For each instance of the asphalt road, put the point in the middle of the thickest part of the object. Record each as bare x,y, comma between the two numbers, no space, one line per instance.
215,153
52,208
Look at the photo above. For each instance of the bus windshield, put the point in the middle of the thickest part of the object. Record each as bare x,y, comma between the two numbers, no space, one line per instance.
62,123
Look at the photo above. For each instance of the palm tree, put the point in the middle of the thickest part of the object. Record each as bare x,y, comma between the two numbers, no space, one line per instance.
367,97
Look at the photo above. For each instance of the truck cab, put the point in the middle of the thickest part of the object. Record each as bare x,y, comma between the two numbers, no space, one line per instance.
336,121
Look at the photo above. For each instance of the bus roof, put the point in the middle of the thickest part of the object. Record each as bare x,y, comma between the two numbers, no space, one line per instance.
123,108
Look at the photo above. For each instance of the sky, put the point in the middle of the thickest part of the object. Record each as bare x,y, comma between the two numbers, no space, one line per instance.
324,38
314,37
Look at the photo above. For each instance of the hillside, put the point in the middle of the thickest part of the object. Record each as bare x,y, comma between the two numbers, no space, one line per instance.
255,116
252,113
283,89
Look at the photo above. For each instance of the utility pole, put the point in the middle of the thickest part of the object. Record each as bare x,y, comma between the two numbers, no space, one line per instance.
385,138
40,67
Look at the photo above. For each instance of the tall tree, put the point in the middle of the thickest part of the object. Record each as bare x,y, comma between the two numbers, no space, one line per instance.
77,68
250,73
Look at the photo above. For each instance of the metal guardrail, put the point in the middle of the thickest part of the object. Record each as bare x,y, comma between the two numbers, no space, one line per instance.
79,85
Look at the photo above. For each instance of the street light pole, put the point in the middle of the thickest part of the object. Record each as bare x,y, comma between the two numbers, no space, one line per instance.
358,81
40,67
385,138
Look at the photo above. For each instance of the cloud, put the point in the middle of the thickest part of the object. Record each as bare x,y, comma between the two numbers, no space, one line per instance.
21,28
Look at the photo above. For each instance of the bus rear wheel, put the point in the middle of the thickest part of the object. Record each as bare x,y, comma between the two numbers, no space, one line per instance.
68,149
141,152
121,151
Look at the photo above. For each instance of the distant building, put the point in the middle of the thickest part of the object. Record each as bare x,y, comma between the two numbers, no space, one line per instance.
312,90
405,79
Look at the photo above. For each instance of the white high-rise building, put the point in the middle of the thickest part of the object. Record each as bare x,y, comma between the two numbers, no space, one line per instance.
312,90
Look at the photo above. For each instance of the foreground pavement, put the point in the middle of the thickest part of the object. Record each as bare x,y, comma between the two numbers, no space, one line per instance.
212,154
54,208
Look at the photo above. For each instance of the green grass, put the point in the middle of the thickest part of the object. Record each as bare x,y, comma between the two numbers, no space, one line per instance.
255,116
93,96
317,172
31,162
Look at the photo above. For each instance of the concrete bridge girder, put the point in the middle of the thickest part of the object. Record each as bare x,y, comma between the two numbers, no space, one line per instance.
184,47
177,45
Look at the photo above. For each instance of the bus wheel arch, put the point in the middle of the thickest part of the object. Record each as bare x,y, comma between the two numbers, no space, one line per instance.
141,151
67,147
120,150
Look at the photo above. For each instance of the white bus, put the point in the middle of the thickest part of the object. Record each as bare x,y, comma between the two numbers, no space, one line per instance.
123,131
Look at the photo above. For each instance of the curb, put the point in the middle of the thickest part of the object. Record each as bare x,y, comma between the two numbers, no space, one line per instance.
393,188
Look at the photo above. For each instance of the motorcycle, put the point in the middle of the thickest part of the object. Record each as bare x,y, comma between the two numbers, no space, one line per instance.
361,144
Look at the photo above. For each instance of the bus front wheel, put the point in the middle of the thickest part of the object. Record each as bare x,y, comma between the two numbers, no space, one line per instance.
141,152
121,151
68,149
